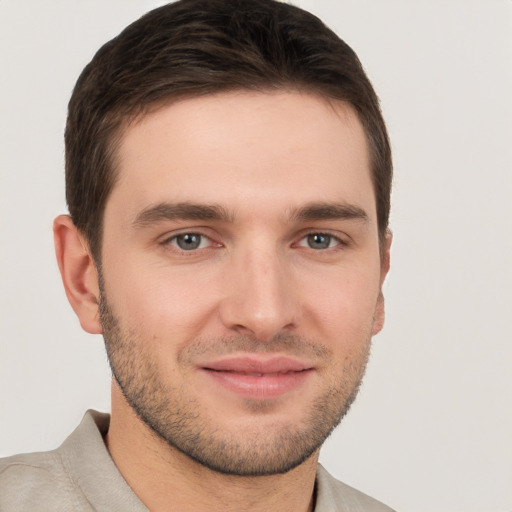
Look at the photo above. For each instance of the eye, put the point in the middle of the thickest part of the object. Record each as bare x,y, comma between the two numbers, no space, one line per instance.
319,241
190,241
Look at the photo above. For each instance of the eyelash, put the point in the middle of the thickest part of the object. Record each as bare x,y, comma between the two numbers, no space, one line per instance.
203,238
173,241
340,243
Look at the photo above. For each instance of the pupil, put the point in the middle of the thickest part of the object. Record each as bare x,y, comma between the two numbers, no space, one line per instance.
188,241
319,241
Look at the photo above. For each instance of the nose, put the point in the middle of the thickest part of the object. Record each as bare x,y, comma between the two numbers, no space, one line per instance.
260,299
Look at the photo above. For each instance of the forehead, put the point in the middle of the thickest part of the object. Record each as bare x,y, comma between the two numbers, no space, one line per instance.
242,148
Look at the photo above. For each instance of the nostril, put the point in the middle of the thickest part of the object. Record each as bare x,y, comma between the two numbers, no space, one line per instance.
261,306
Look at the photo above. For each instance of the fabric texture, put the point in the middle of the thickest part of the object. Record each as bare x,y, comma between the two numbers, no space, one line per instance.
80,476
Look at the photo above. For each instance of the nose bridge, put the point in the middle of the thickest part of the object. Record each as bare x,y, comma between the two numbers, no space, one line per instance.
260,300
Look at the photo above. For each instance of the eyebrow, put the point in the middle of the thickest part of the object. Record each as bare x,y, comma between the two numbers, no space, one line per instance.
193,211
181,211
329,211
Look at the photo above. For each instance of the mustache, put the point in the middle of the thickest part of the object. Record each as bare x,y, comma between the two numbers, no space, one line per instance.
288,344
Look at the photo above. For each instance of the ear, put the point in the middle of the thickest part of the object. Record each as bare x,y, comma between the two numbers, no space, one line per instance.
378,319
78,272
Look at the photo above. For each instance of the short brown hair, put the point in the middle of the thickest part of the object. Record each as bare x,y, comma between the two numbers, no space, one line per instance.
196,47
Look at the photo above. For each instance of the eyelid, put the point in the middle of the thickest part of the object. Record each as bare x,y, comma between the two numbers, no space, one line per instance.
167,239
342,241
204,241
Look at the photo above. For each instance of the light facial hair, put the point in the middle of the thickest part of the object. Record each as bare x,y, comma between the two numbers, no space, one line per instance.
174,414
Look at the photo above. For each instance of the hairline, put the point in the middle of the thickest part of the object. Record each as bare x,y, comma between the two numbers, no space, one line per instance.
123,118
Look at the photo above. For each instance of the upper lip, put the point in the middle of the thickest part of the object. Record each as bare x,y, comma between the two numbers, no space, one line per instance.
259,365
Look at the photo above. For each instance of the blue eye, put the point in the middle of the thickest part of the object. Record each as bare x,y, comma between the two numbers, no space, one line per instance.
189,241
319,241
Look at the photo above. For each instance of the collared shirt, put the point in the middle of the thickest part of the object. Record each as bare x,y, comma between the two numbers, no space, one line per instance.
81,476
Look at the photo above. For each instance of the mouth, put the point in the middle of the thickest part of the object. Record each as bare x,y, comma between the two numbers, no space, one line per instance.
254,374
256,377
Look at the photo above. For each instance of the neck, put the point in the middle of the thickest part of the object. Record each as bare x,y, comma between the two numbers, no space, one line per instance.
166,480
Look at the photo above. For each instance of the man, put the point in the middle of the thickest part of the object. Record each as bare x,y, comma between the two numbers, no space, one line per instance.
228,176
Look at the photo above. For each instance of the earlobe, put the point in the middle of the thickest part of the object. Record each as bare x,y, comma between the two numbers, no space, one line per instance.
385,256
378,319
78,272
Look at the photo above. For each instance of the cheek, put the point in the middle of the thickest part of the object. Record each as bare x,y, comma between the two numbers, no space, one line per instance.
160,301
344,307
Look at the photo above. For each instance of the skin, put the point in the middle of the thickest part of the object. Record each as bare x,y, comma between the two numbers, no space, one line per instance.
261,284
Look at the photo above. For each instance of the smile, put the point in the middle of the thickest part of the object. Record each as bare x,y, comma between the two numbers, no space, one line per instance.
258,374
256,378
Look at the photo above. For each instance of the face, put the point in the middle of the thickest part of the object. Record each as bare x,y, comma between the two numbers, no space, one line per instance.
241,275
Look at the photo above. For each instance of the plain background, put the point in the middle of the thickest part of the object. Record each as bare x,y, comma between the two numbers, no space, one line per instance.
431,429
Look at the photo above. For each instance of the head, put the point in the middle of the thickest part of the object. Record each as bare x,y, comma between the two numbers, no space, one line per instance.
228,179
198,47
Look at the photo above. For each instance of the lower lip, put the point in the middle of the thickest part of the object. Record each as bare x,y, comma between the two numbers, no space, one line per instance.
262,387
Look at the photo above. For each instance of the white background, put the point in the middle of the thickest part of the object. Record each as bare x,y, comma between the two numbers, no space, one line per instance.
432,427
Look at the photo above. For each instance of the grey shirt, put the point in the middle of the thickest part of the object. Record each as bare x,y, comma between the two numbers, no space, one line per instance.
81,476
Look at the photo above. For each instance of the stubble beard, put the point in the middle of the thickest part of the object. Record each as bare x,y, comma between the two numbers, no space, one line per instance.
177,418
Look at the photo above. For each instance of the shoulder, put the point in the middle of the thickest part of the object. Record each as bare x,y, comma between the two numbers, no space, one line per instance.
333,495
36,481
50,480
79,475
